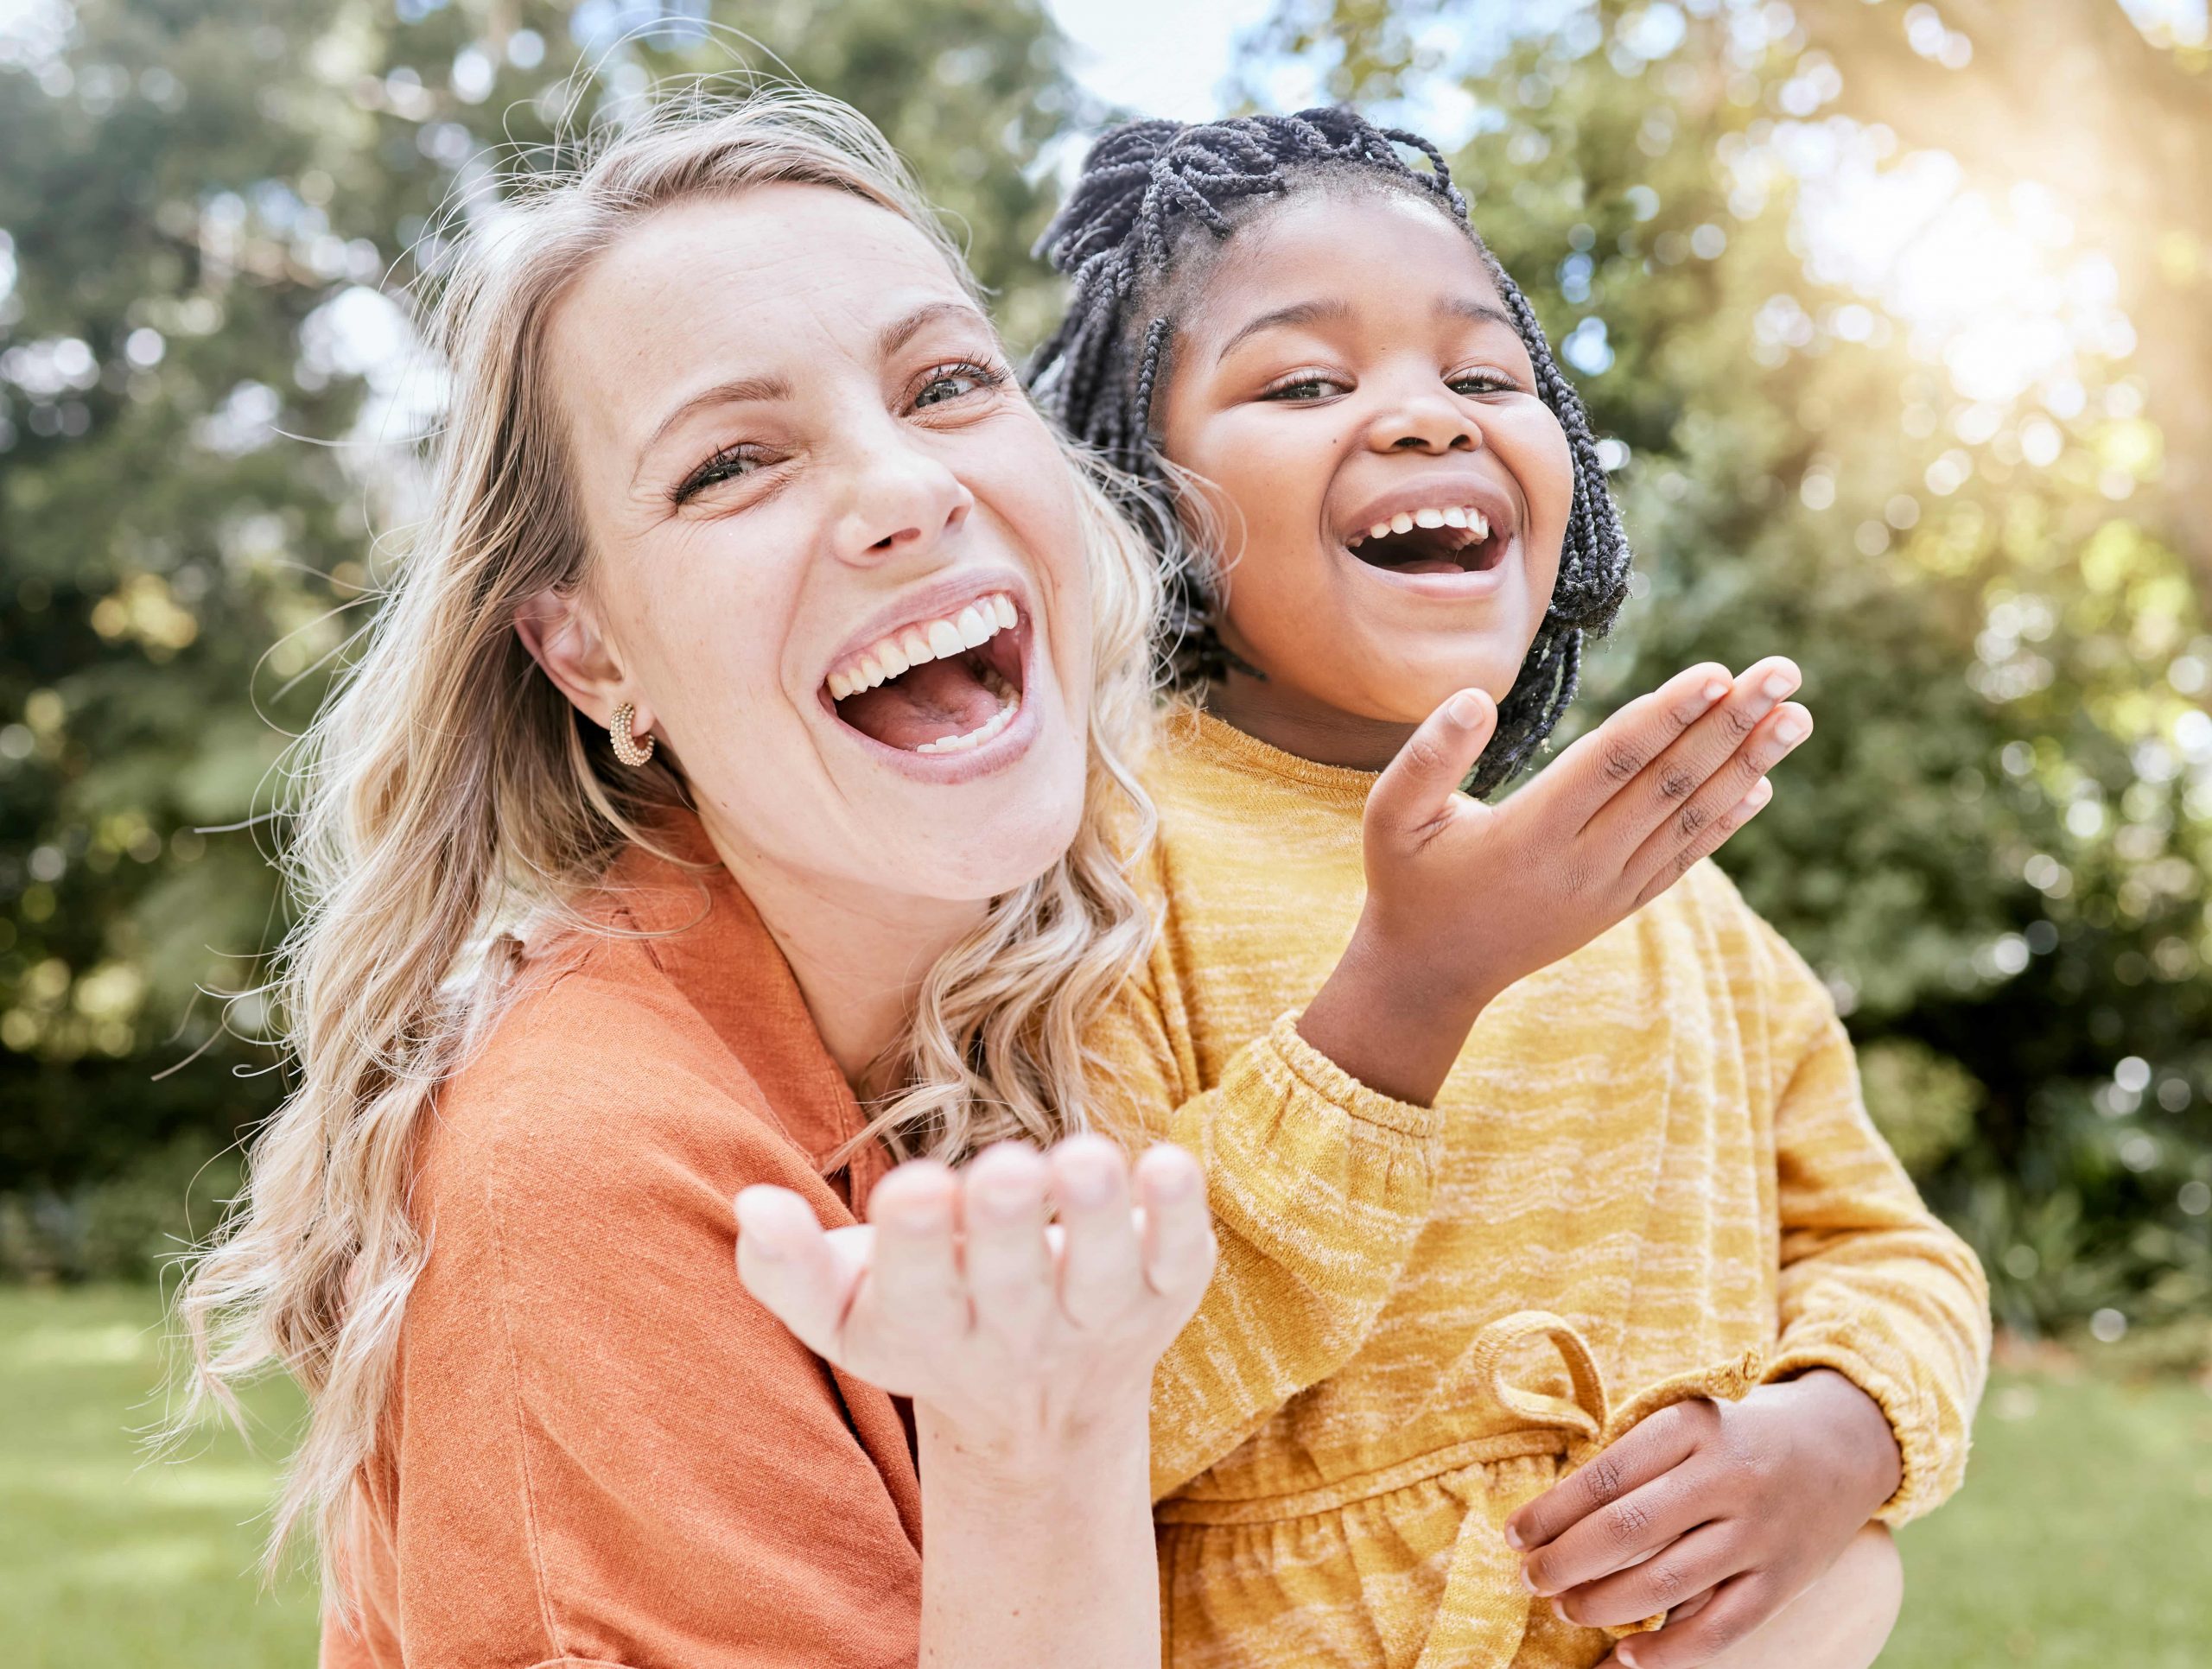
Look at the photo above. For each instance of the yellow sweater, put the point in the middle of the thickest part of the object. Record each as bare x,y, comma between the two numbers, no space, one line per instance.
1649,1177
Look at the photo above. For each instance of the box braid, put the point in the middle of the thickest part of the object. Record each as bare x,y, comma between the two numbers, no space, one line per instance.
1124,238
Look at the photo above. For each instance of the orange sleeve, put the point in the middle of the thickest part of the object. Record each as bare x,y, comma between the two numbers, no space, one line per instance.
600,1449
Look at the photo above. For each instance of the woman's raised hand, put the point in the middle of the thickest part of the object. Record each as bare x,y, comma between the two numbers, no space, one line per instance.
1463,898
1016,1298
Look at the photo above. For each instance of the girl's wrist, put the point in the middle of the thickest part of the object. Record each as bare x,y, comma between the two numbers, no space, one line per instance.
1026,1461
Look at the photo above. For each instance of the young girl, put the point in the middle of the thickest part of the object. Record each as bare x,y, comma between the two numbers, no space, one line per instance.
1665,1247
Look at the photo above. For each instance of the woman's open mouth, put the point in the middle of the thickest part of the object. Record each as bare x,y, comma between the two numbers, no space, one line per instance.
1434,539
946,685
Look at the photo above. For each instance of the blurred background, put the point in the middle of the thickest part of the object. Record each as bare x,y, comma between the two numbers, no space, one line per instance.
1897,318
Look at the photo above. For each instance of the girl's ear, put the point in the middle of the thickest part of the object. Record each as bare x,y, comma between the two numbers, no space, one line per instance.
563,636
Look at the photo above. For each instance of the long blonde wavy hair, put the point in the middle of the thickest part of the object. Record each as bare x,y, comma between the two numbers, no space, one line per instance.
447,794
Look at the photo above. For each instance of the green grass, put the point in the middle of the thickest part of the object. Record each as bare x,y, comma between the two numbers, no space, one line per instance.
2079,1540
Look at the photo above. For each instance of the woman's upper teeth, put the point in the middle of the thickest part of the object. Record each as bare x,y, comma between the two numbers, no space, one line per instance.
1405,521
925,640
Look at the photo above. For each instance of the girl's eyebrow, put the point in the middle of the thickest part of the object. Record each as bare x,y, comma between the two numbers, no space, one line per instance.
1297,313
1467,306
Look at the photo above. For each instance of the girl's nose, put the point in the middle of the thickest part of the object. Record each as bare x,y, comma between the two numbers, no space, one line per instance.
1431,424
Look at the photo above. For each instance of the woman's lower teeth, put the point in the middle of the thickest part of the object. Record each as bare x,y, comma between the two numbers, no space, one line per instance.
1010,698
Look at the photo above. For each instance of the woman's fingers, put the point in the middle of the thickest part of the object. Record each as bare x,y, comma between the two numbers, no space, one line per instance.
787,1262
1102,1274
1009,1268
1595,768
1656,799
1177,1242
1416,792
1686,1569
916,1279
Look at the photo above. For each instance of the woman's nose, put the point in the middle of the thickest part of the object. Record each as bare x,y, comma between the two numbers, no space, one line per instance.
1429,424
903,501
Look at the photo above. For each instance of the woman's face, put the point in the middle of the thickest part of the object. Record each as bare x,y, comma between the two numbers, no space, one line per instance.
836,558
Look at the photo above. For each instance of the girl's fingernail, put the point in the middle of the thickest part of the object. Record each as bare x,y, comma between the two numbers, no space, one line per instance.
1776,686
1790,731
1528,1581
1513,1539
1560,1611
1087,1185
1716,688
1465,710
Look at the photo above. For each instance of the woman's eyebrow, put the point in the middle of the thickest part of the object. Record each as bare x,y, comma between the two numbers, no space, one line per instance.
739,390
901,331
1297,313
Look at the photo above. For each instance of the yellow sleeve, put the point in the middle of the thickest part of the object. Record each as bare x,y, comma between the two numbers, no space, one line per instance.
1872,1285
1319,1188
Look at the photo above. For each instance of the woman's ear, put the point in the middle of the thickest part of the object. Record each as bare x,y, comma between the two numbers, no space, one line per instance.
563,637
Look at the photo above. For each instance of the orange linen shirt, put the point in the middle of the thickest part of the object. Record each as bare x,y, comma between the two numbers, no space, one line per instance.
599,1448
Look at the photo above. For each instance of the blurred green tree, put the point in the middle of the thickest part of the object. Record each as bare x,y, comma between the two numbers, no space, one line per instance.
1893,418
206,211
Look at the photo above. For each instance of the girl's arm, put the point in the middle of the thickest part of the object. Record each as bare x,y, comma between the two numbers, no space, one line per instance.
1320,1182
1027,1352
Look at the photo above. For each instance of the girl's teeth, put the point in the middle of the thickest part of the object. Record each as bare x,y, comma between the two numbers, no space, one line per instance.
1380,530
1455,518
1401,523
1429,519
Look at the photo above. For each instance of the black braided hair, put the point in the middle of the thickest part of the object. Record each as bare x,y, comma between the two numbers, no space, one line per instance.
1146,188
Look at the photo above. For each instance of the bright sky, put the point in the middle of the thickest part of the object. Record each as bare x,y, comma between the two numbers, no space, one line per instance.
1161,57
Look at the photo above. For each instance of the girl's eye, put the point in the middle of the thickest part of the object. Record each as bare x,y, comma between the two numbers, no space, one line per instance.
1482,382
725,465
949,383
1302,385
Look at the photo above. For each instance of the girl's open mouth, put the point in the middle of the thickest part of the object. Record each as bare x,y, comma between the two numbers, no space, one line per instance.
1438,539
947,685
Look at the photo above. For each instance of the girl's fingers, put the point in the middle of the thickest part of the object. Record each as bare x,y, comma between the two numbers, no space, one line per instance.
1649,1449
1738,1607
1703,824
1416,789
1177,1244
1684,1571
916,1279
1714,835
789,1264
1657,796
1596,767
1101,1271
1009,1267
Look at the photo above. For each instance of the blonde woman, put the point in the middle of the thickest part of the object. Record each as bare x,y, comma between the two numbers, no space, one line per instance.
619,904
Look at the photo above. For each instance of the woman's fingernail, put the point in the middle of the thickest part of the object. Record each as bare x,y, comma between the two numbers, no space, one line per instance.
1087,1185
1465,710
1775,686
1790,731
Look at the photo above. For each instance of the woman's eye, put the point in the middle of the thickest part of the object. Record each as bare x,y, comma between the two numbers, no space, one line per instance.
955,382
725,465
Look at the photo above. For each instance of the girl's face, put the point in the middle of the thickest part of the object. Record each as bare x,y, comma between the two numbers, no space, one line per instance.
837,559
1390,492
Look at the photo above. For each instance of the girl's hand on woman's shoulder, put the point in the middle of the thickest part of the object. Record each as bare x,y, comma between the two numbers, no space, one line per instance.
1018,1300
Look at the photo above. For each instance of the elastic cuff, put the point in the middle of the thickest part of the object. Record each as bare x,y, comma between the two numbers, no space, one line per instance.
1917,1460
1338,1087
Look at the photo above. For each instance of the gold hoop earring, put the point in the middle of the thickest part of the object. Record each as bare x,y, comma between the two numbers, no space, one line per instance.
627,748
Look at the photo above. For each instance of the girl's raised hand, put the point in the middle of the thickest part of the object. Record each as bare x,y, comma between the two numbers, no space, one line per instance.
1014,1298
1463,898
